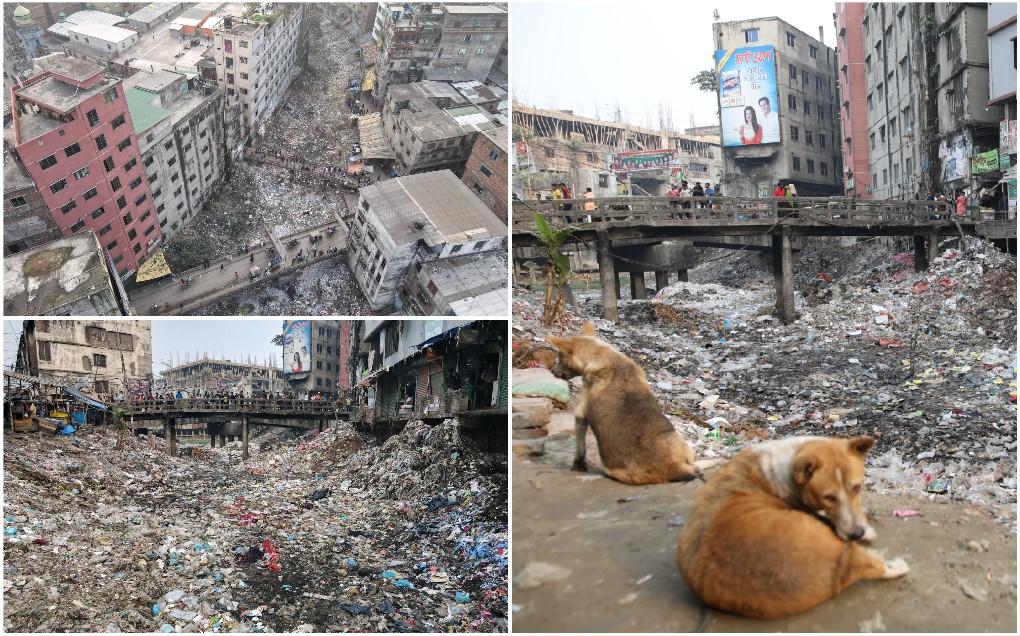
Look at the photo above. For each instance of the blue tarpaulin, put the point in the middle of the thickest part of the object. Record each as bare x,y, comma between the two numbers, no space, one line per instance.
446,335
87,400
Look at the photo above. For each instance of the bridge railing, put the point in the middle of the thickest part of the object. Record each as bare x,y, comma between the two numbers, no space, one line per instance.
232,405
733,211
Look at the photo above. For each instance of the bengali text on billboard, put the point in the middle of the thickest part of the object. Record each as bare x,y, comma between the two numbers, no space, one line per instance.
641,160
748,97
297,347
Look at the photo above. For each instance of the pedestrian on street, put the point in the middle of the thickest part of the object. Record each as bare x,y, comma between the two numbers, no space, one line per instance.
236,276
251,259
221,267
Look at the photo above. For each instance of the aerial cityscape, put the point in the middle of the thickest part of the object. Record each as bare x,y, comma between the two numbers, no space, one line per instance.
255,158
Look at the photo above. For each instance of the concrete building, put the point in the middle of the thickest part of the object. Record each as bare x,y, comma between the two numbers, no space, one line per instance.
94,36
206,375
70,276
471,285
103,359
406,221
853,105
179,123
415,37
554,146
144,19
32,38
256,60
17,60
345,348
45,14
1002,57
431,126
27,219
311,350
808,153
487,168
73,133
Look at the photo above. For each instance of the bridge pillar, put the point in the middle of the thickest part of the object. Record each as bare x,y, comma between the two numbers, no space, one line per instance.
171,435
223,440
777,271
789,310
661,280
244,437
933,246
152,440
607,274
212,441
681,275
920,255
616,284
321,422
637,286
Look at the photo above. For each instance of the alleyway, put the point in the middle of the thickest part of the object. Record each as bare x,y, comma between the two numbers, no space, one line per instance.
325,532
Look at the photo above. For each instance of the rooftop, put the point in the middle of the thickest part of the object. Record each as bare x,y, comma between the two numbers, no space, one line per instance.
471,118
88,16
477,93
154,81
151,12
15,177
103,32
145,109
58,95
473,285
64,277
497,136
67,66
468,9
434,206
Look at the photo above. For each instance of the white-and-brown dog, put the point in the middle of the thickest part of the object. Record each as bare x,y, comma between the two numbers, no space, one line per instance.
775,531
637,443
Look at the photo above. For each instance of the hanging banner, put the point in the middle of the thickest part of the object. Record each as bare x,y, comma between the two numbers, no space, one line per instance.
297,348
1007,137
985,162
522,155
640,160
155,267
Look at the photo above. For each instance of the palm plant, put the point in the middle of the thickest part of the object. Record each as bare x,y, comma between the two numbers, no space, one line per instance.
557,267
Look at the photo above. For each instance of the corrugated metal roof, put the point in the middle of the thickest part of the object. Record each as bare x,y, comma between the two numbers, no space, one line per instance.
145,109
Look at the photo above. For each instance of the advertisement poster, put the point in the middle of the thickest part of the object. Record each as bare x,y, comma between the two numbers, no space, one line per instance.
985,162
640,160
1007,137
521,152
297,347
748,96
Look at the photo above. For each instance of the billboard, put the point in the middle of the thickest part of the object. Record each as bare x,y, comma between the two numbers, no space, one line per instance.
297,348
748,96
640,160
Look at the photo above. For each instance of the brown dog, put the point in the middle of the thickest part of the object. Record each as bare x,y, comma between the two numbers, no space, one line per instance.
773,533
637,444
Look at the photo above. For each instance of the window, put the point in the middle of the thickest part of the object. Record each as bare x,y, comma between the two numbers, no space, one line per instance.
807,107
137,248
809,138
885,176
791,102
485,171
793,73
811,166
462,52
17,202
115,183
823,167
480,50
78,226
44,349
909,168
67,207
108,164
230,78
144,216
81,173
98,212
881,91
137,182
896,172
132,234
791,40
140,198
110,95
794,133
130,164
72,150
812,51
99,359
244,44
112,245
892,127
872,138
751,35
796,164
48,162
244,76
149,229
903,67
118,121
549,152
494,155
101,142
881,133
127,219
803,77
121,202
242,60
124,144
821,141
93,118
58,186
871,103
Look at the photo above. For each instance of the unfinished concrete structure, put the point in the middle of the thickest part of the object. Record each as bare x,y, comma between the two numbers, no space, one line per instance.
808,153
557,146
403,222
179,123
206,375
71,276
487,168
432,126
104,359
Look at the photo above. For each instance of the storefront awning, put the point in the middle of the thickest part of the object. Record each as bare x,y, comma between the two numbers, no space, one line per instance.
446,335
368,379
87,400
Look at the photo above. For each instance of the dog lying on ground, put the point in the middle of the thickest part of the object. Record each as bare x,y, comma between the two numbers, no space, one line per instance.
775,532
637,443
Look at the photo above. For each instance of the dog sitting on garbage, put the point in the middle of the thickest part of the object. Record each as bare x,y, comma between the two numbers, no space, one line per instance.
637,443
774,532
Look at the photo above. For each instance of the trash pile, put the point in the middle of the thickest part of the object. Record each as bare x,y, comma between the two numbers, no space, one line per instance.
924,362
299,538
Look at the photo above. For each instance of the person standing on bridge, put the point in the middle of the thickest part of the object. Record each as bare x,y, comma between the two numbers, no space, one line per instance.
589,204
698,191
961,204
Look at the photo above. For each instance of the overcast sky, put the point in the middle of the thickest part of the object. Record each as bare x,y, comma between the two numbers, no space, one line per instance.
232,339
587,56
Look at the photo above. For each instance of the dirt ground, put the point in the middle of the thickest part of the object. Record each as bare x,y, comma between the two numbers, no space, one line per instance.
611,548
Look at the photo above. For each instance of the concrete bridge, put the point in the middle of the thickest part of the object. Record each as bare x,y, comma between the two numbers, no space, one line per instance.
619,221
223,415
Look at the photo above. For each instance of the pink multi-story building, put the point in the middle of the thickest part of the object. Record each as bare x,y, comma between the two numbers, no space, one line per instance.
73,132
853,112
